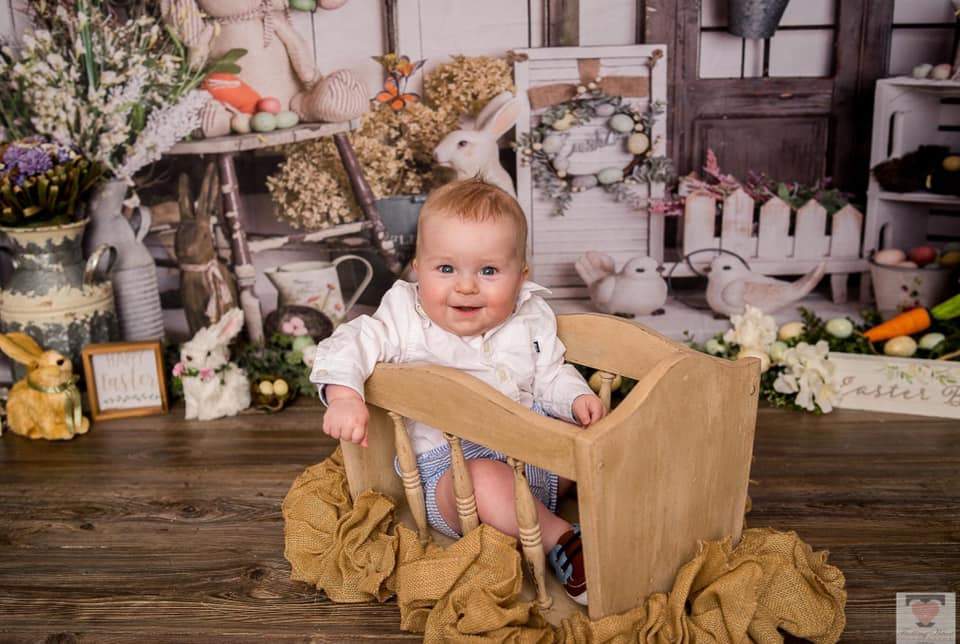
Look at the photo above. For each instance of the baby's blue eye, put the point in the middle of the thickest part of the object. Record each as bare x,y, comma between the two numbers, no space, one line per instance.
488,270
445,268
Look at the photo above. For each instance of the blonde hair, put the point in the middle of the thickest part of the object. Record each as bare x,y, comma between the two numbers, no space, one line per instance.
475,200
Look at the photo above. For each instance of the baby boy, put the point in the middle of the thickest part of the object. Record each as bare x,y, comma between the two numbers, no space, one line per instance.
473,310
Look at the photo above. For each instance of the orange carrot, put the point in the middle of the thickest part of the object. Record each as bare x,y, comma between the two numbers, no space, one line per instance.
907,323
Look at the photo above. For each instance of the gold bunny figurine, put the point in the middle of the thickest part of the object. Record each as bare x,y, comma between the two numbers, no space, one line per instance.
46,403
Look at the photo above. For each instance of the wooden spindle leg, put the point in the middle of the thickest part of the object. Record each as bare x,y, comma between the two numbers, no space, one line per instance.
462,486
606,388
529,528
411,476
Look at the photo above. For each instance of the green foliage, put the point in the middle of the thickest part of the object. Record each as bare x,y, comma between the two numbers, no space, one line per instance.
277,359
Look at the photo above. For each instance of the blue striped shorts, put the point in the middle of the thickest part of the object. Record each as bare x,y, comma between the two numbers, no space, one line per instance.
433,463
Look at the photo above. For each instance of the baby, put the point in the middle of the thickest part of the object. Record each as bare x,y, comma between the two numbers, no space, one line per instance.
472,310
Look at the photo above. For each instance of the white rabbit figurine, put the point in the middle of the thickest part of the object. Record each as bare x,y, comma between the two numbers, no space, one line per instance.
212,385
472,151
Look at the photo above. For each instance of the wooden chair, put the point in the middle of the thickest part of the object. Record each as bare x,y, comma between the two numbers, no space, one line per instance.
668,466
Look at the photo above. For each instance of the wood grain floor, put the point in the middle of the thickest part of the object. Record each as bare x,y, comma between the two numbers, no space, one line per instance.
156,529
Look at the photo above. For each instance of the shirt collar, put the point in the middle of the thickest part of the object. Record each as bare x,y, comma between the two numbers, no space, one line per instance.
527,290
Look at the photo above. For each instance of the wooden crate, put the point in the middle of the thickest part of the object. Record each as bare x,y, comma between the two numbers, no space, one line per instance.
898,385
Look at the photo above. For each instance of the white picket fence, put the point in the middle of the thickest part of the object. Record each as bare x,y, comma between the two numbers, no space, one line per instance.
764,239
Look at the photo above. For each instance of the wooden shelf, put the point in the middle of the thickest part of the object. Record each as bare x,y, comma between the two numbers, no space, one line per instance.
926,85
258,140
920,197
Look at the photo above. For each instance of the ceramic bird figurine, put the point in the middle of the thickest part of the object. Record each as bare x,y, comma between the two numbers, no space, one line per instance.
731,286
637,289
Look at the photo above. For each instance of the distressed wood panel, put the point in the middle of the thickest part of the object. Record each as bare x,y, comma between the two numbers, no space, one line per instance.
793,148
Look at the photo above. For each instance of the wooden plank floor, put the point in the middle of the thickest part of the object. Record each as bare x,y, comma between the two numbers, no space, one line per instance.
156,529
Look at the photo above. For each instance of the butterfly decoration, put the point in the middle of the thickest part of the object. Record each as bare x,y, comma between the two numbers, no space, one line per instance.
399,70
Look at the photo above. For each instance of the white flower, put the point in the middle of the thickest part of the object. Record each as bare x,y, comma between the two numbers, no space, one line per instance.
810,375
752,330
309,354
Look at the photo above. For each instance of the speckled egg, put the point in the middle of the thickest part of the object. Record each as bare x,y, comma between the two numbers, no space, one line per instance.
790,330
552,144
606,109
902,346
638,143
561,164
840,327
240,123
608,176
263,122
269,104
889,257
287,119
931,340
584,181
620,123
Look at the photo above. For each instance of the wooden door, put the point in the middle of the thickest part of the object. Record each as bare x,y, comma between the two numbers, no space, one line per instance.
796,106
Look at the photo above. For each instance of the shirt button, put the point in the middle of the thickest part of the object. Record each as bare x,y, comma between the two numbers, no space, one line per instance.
486,348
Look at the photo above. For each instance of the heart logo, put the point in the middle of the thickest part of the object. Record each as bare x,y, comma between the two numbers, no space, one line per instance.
925,611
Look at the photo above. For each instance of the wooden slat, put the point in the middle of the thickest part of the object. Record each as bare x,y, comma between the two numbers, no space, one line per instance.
699,214
810,240
846,228
774,241
736,231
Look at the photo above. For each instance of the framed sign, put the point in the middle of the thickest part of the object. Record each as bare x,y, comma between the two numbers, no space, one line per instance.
898,385
125,379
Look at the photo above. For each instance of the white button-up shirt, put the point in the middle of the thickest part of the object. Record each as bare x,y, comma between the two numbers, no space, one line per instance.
522,357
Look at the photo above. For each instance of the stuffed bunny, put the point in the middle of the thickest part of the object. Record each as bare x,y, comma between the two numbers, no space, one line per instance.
46,403
278,63
472,151
212,385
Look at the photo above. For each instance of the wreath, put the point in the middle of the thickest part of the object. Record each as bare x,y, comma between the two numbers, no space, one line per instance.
546,150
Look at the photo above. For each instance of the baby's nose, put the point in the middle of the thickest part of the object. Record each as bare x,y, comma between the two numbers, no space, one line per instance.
466,284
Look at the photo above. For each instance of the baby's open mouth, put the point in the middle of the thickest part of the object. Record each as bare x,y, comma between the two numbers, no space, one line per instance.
468,309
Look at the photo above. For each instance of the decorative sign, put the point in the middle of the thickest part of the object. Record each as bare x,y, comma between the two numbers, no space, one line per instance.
898,385
125,379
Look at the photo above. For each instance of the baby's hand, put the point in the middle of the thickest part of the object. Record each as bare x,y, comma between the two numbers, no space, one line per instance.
588,409
346,416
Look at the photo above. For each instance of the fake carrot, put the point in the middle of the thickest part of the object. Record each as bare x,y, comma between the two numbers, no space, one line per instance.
907,323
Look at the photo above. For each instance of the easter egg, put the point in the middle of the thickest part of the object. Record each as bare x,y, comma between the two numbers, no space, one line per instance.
907,264
565,123
952,163
595,382
902,346
240,123
584,181
609,176
714,347
923,255
638,143
840,327
269,104
889,257
606,109
941,72
263,122
950,259
922,71
301,342
266,388
790,330
931,340
777,351
303,5
561,165
281,388
287,119
620,123
552,144
756,353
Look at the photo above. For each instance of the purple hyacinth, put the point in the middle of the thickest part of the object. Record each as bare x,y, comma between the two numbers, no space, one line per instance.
33,162
12,156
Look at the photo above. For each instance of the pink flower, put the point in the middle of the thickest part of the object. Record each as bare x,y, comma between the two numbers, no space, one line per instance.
294,326
206,373
178,369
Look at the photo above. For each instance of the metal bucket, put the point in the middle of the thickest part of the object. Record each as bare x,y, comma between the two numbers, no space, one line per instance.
755,18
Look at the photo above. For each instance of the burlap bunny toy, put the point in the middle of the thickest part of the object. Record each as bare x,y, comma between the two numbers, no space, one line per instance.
46,403
278,63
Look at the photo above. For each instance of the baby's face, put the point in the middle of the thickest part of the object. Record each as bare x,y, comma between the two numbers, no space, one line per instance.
470,273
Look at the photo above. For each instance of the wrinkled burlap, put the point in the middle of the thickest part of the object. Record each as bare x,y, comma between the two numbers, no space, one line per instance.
468,592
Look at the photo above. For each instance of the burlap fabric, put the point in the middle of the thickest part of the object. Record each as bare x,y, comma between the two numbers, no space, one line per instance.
468,592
